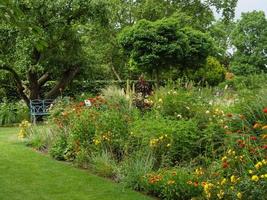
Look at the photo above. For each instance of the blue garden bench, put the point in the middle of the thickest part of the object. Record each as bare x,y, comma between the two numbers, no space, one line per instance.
39,108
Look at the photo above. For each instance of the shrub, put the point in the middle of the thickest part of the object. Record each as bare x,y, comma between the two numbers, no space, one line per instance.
170,141
13,112
176,104
212,72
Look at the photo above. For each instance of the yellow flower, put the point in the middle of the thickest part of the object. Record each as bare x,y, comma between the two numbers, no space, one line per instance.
223,181
96,141
199,171
250,171
233,179
239,195
258,165
224,158
255,178
264,127
220,194
264,162
168,145
170,182
161,137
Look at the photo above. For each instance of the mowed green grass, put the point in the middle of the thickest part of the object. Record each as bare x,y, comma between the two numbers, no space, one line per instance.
28,175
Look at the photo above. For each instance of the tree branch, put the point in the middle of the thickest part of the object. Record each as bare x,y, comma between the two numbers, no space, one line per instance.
43,79
67,77
18,82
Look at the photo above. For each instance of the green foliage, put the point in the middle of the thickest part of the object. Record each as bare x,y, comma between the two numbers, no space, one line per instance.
249,38
212,72
41,137
59,148
134,168
251,82
155,46
11,113
103,164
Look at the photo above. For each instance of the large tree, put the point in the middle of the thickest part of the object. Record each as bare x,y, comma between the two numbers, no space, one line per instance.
41,41
250,41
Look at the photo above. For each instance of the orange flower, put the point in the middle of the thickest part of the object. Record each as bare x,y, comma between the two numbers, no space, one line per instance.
257,125
264,127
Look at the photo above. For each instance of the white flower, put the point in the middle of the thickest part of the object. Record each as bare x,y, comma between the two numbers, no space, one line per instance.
207,112
179,116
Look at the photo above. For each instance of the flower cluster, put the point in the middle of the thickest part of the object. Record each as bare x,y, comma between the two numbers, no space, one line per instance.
24,126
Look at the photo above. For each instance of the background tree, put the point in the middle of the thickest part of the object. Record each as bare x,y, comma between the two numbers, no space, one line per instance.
159,45
250,41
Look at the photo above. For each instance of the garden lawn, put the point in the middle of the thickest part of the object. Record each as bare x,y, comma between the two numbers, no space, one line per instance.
28,175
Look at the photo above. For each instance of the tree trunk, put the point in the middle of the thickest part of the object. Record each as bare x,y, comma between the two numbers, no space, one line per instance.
33,85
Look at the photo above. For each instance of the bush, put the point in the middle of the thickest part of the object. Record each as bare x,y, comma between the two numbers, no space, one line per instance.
170,141
212,72
178,104
242,69
13,112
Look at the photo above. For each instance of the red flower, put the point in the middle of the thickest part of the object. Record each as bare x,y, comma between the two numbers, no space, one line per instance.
264,146
81,104
253,138
225,164
265,110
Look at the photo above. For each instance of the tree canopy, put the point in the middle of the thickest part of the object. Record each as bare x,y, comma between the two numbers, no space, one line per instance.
250,41
159,45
